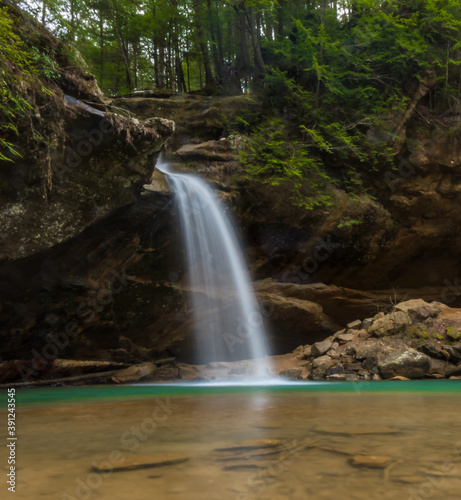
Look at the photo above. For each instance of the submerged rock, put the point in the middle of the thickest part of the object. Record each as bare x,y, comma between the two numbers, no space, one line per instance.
142,462
371,461
357,431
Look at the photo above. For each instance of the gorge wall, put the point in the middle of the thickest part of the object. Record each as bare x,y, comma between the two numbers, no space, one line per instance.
90,247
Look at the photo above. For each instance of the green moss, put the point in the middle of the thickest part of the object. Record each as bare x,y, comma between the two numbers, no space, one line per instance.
416,332
453,333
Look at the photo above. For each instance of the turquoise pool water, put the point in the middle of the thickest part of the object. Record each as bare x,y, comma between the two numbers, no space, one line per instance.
334,441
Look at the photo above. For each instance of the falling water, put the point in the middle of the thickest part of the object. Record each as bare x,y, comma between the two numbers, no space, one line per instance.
228,323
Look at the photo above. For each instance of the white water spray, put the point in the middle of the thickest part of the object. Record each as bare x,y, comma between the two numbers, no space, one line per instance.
228,323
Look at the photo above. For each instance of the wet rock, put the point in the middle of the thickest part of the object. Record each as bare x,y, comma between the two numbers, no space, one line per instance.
399,377
189,372
371,461
142,462
337,377
320,348
292,374
404,362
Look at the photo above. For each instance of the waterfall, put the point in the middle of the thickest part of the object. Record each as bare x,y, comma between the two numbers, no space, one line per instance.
228,323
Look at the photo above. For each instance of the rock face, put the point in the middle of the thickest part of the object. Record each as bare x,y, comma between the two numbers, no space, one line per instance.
208,151
198,118
105,161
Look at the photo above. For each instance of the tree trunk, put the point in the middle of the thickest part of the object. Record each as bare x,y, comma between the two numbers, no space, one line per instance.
122,47
217,61
203,44
101,47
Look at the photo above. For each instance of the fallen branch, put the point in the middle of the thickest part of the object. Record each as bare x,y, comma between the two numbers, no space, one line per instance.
87,377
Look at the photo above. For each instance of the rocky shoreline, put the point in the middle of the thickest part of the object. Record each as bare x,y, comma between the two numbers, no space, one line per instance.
415,340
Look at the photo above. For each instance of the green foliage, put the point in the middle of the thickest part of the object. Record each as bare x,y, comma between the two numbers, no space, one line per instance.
45,64
272,158
27,65
15,70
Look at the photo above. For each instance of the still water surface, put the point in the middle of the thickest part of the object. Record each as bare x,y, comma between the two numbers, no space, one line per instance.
238,443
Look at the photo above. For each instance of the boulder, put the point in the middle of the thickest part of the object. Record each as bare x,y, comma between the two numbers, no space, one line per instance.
407,363
342,338
369,349
320,348
390,323
418,309
323,362
453,352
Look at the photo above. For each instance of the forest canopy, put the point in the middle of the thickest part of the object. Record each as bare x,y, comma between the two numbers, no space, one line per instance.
328,72
187,45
